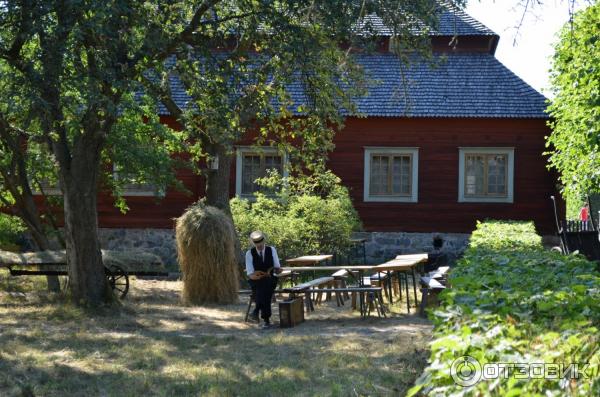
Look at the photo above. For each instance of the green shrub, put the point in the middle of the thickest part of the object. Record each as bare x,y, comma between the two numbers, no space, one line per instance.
11,231
307,216
505,235
513,302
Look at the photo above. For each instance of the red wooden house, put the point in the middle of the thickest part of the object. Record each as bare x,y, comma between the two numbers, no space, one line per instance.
464,143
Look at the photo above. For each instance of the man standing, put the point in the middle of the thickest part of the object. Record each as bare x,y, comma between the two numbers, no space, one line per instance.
261,264
584,214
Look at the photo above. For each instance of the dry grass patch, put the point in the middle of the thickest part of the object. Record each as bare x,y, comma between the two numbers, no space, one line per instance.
154,346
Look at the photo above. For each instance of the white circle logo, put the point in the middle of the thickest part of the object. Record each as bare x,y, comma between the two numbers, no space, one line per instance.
466,371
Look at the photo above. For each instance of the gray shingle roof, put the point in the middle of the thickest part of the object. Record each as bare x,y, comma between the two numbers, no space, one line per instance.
460,23
451,22
462,85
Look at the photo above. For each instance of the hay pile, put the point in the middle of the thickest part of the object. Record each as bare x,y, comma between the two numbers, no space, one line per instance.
206,252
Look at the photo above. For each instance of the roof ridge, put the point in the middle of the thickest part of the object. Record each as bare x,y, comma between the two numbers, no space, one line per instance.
452,21
469,19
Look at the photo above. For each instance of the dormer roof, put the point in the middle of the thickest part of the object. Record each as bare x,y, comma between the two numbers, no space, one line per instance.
452,22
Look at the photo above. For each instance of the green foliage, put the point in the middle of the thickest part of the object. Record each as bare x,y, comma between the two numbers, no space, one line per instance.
140,154
513,302
309,215
574,144
492,235
11,229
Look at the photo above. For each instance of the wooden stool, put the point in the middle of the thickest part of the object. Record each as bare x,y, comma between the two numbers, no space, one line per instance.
340,282
251,300
383,280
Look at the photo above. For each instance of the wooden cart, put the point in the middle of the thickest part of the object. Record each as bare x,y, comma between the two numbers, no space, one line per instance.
54,263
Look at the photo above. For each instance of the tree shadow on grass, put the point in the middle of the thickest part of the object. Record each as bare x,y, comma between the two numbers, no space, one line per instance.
164,364
155,346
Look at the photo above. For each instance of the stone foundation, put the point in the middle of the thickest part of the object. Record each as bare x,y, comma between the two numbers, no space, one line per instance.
380,246
383,246
160,242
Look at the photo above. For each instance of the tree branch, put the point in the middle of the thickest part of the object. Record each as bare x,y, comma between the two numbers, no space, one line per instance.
24,30
163,91
185,36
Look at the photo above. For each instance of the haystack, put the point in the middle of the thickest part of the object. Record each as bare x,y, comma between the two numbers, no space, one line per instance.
206,253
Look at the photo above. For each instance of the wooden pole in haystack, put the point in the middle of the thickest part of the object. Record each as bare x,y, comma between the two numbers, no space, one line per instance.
206,253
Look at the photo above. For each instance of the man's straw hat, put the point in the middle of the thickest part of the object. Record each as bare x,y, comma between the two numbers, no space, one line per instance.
257,236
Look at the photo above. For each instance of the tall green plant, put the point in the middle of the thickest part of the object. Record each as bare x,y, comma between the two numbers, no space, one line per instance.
307,215
574,145
512,302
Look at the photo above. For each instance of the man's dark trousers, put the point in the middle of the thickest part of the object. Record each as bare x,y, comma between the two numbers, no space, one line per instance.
264,293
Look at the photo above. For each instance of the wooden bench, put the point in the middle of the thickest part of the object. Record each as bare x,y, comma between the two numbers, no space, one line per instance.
369,296
430,287
441,273
305,288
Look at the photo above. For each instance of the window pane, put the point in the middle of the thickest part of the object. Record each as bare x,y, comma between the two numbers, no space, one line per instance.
474,172
250,172
274,162
379,175
401,175
496,174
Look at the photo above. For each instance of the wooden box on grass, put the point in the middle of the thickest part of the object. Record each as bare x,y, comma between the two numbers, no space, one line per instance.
291,312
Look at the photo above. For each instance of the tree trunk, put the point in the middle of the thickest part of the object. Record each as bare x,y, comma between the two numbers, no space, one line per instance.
217,180
87,280
217,187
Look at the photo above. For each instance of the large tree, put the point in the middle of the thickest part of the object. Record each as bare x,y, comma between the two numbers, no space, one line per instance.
80,62
575,140
77,61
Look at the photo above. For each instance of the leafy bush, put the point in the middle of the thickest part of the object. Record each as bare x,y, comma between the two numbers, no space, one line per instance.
308,216
11,231
513,302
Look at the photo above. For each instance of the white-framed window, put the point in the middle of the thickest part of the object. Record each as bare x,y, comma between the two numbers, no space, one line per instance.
253,163
486,174
391,174
132,187
49,188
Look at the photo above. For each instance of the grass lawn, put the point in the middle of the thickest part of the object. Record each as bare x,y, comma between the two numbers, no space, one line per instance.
154,346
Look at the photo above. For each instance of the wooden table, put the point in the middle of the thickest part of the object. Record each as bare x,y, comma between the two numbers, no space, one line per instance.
413,257
308,260
411,261
402,263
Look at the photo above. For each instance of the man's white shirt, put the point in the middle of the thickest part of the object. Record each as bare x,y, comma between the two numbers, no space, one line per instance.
250,265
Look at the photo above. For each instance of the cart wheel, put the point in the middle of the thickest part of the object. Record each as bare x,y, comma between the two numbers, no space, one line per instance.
118,280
